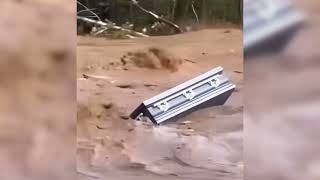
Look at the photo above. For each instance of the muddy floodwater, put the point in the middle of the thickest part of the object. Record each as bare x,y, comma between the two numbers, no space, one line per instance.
114,76
282,102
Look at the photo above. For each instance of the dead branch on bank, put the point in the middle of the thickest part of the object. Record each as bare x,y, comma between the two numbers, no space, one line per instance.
88,10
111,26
106,25
159,18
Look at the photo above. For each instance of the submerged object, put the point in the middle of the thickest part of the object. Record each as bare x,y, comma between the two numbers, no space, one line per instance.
269,24
209,89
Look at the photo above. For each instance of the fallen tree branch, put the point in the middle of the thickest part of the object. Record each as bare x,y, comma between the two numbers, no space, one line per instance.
87,76
188,60
87,9
111,26
160,19
100,31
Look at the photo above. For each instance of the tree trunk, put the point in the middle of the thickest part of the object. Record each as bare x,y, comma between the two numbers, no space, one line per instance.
204,13
174,6
186,8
